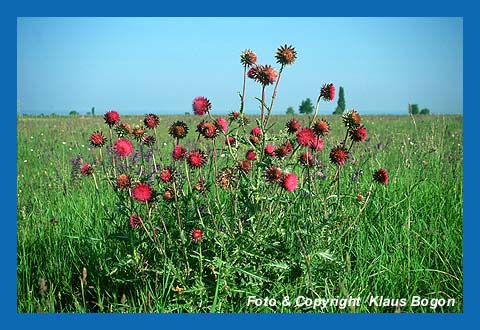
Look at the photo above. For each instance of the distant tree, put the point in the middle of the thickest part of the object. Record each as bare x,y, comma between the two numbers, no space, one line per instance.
290,111
413,109
306,107
88,113
73,113
187,113
93,111
341,102
425,111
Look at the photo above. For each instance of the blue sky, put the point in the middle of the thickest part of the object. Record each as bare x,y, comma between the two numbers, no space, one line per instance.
140,65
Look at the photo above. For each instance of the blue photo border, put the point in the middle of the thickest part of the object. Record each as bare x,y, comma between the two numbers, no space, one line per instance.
405,8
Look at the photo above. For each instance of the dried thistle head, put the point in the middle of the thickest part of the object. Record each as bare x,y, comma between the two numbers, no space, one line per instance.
248,57
225,178
286,55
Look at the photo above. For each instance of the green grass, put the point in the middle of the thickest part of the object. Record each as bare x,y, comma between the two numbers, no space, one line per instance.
406,241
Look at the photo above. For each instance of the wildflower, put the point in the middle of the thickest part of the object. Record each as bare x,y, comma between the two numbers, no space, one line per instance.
293,126
123,147
254,139
201,105
256,131
321,127
316,144
251,155
123,181
286,55
358,134
267,76
138,132
87,169
381,176
270,150
178,130
245,165
166,175
248,57
360,197
305,137
290,182
283,150
169,195
196,158
151,120
200,185
254,71
142,192
111,118
123,129
225,178
306,159
207,129
351,119
196,235
222,124
230,140
97,139
327,92
338,155
148,140
273,174
178,152
135,221
234,115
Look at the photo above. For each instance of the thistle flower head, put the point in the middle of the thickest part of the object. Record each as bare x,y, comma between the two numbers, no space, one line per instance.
225,178
251,155
381,176
273,174
201,105
306,159
256,131
293,126
207,129
196,158
358,134
138,132
178,130
270,150
135,221
142,192
111,118
87,169
123,129
222,124
339,155
123,181
248,57
166,174
286,55
351,119
123,147
148,140
97,139
290,182
321,127
178,152
245,165
305,136
151,120
196,235
327,92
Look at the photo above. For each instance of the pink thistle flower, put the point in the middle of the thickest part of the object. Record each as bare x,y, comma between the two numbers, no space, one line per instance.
201,105
251,155
142,192
290,182
222,124
327,92
270,150
86,169
196,158
358,134
256,131
111,118
123,147
135,221
196,235
316,144
381,176
305,137
151,120
166,175
178,152
293,126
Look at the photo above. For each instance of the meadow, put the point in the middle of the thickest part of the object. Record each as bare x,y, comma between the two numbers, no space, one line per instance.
78,250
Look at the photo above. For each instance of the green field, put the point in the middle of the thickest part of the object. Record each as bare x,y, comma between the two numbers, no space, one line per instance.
76,251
